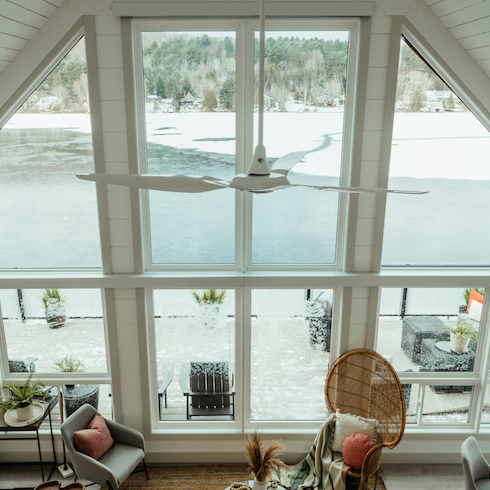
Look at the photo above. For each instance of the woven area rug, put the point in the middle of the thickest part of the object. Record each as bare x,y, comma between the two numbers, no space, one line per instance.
206,477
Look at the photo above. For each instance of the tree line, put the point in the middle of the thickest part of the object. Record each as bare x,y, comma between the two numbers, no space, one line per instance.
65,89
415,78
312,70
309,70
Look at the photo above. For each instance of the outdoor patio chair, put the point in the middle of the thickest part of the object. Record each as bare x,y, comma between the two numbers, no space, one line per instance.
163,384
209,388
117,463
23,365
476,469
362,382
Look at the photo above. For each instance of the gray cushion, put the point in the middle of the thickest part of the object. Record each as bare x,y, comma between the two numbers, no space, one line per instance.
122,459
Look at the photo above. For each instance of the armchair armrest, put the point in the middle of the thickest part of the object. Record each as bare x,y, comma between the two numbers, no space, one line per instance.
371,463
126,435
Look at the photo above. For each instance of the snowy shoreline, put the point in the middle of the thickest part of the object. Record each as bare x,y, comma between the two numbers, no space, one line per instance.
448,138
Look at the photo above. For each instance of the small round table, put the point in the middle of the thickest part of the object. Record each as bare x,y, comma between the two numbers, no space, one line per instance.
77,395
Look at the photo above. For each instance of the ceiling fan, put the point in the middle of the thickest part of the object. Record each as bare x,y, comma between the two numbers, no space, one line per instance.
259,178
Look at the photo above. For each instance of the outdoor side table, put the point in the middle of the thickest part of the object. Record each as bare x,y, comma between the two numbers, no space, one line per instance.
434,359
34,428
77,395
417,328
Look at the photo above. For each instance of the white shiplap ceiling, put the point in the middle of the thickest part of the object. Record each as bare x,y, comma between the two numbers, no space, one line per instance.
467,20
19,21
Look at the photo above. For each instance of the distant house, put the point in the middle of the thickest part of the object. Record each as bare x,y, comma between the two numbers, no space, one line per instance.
188,98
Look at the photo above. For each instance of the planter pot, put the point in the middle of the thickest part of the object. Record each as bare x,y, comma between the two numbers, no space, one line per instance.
25,413
259,485
211,316
55,313
77,395
460,346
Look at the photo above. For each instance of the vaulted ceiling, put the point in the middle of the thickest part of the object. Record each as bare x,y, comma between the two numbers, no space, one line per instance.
467,20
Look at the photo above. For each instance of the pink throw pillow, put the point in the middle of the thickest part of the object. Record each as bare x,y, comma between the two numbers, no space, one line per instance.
95,440
355,448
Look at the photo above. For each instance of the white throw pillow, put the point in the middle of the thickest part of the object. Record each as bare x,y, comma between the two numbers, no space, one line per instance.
475,311
347,424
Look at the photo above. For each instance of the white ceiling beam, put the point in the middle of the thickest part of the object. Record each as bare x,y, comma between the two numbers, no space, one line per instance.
243,9
34,52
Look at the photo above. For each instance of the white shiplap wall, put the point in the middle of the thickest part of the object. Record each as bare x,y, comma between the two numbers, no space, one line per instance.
19,21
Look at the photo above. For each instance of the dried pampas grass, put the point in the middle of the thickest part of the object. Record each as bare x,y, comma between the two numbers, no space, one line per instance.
261,463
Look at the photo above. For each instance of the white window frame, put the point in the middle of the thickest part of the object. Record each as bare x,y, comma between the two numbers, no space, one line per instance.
245,30
243,335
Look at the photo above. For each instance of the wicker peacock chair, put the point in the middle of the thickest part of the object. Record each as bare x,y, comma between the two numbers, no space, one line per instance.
362,382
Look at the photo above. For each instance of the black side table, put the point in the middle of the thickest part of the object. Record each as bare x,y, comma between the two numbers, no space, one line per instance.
434,359
34,428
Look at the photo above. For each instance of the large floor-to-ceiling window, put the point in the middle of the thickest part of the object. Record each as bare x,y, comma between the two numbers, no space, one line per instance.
197,103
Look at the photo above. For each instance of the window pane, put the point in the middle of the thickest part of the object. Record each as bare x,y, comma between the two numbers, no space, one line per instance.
54,331
413,329
304,110
48,216
485,418
189,82
291,332
195,351
441,147
446,404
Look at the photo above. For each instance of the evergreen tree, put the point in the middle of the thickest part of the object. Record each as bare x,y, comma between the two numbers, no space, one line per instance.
227,93
160,88
186,86
449,106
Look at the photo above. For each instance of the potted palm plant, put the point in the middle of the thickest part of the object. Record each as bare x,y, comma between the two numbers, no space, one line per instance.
209,301
460,336
22,398
76,395
54,308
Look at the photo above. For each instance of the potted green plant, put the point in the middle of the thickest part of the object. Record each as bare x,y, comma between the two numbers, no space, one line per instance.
54,308
23,397
460,336
76,395
209,301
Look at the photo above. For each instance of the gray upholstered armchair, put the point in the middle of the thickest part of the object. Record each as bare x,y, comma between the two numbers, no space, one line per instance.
113,467
476,469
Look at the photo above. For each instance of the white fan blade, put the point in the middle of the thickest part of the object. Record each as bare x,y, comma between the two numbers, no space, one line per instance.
171,183
284,164
359,190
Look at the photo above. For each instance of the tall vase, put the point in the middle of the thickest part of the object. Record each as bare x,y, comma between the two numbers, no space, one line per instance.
259,485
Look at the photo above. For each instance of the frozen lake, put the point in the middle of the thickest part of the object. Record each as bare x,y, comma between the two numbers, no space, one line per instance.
44,207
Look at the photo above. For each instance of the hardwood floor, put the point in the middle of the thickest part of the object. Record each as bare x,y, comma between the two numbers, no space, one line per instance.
395,476
423,477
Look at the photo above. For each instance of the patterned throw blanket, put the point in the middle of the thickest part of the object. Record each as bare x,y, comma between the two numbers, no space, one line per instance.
320,469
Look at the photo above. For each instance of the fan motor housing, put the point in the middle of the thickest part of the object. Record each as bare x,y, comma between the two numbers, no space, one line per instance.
259,183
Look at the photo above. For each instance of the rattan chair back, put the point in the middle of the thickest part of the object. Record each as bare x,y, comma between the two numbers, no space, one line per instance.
362,382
